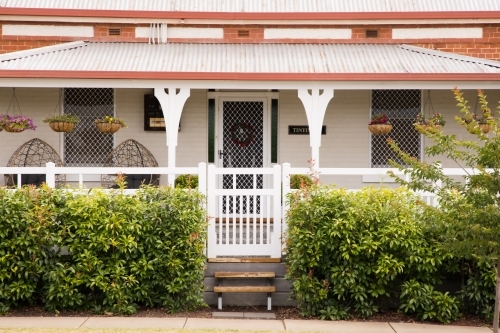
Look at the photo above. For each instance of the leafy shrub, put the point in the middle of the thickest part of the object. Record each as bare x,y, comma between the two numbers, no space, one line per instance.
123,250
299,181
478,293
428,304
351,250
26,238
186,181
127,250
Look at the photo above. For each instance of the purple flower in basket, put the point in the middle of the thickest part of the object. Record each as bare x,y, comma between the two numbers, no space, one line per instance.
16,123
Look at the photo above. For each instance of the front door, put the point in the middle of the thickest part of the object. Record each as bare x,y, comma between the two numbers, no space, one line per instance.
242,140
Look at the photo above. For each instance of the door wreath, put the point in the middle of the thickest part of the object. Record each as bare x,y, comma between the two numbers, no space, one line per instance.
242,128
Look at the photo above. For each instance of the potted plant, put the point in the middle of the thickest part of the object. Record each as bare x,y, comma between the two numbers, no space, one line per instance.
435,122
380,124
61,123
109,124
16,124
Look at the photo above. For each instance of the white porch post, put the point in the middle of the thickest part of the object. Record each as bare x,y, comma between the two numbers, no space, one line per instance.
315,106
172,105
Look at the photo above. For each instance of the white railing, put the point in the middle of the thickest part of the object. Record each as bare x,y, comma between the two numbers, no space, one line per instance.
244,221
51,170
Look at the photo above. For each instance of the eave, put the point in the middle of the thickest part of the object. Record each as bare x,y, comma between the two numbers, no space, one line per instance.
250,16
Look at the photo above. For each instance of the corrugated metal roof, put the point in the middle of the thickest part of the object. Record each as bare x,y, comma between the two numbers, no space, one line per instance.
263,6
244,58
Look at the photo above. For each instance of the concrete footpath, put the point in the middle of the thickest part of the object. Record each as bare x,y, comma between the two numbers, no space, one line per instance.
233,324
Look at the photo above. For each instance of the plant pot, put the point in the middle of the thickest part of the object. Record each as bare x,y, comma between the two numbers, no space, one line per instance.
11,129
62,126
380,129
430,128
108,128
485,128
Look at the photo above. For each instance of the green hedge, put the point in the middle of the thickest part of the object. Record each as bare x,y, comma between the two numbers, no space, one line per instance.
352,251
122,251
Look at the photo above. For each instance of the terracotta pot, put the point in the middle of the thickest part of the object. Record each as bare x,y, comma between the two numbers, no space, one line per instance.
108,128
8,128
62,126
485,128
379,129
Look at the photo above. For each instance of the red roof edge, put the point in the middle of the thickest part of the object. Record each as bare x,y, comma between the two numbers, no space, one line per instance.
252,15
249,76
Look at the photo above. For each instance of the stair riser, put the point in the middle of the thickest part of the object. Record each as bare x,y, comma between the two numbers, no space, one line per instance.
278,268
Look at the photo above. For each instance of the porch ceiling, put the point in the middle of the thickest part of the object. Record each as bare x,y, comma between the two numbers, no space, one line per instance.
246,62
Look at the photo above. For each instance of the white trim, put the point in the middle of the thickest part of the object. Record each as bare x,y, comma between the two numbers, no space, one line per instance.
177,32
293,33
426,33
47,30
245,85
71,19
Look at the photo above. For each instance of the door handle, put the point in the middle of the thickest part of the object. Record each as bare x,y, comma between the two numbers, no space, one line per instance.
221,153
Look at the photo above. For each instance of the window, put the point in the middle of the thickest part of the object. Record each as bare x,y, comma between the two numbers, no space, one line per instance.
85,145
402,107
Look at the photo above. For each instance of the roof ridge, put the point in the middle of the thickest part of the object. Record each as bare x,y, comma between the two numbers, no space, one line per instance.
40,50
450,55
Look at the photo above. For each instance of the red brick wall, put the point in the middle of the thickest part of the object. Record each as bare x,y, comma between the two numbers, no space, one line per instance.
487,47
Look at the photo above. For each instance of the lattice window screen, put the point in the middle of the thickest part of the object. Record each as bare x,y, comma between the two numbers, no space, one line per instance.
402,107
85,145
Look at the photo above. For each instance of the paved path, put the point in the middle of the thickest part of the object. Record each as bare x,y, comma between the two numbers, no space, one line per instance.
234,324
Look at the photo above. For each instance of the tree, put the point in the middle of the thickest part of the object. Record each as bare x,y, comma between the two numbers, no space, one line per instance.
469,208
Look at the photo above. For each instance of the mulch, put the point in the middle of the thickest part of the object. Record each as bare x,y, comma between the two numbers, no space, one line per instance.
281,312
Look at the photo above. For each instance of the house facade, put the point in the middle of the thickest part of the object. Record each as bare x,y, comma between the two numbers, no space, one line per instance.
243,84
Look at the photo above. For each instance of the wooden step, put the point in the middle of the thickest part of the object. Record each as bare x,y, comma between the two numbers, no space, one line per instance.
247,260
244,275
245,289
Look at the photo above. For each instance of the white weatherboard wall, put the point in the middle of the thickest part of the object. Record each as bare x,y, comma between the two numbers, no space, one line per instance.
47,30
422,33
283,33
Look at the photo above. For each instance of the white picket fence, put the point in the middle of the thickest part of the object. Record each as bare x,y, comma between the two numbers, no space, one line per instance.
245,221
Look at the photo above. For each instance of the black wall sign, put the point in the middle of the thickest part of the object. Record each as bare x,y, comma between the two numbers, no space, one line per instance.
153,115
302,130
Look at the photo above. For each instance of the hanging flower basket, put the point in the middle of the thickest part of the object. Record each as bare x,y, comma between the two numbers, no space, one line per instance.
11,129
62,127
432,124
485,128
109,125
108,128
16,124
61,123
380,125
380,129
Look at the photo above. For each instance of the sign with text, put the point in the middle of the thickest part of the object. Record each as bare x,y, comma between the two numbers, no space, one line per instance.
302,130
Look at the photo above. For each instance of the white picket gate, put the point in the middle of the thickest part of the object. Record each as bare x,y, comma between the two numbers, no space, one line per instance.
244,221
